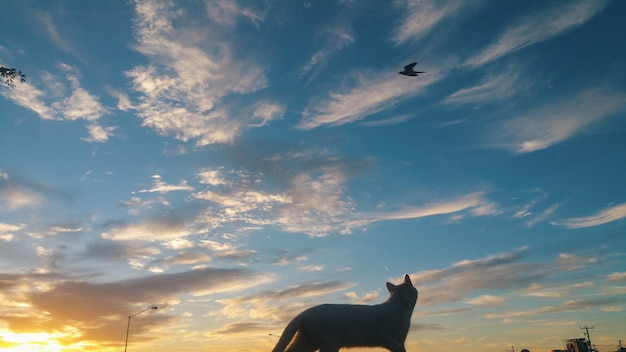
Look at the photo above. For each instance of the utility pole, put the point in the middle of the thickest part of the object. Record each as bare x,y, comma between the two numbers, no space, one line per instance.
586,328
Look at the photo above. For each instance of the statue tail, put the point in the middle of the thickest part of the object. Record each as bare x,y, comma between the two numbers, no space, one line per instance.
288,334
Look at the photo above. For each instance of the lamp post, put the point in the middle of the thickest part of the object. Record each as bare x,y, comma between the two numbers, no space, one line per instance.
128,326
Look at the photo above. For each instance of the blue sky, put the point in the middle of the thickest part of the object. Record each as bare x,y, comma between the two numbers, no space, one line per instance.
236,162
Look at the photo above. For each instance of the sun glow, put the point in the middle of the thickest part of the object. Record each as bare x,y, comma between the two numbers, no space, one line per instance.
32,341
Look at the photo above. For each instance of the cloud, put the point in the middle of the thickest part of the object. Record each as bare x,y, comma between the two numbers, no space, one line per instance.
187,258
189,74
150,230
421,17
266,111
473,201
162,187
507,272
555,291
365,298
55,103
28,96
94,310
15,194
617,277
566,306
493,88
606,215
312,203
55,37
388,121
538,27
317,203
504,271
98,133
118,250
241,329
80,105
371,94
543,216
136,205
486,300
227,12
552,124
123,102
7,230
270,305
337,37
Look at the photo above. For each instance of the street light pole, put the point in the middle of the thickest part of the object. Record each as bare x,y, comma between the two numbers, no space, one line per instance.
128,326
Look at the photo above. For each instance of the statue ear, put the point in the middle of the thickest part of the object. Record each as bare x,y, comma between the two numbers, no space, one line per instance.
407,279
390,287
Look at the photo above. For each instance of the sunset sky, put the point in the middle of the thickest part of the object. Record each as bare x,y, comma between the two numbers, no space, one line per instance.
235,162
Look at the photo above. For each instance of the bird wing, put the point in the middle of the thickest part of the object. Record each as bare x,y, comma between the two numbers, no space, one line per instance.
410,66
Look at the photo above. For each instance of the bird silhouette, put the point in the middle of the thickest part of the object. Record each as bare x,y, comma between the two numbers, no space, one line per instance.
408,70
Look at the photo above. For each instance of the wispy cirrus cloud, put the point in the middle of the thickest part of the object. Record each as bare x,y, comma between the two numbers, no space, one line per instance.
227,12
538,27
565,306
474,202
372,93
504,271
493,88
189,74
336,37
604,216
264,304
548,125
421,17
163,187
136,205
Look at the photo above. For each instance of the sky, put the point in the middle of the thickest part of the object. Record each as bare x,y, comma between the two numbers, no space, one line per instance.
236,162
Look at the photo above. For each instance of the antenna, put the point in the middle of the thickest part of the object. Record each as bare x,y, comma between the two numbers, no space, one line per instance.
586,328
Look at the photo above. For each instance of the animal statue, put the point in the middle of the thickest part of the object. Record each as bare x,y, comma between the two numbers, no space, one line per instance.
329,327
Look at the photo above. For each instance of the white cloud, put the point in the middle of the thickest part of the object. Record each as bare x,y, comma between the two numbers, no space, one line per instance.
99,133
162,187
373,93
475,202
136,205
266,111
493,88
617,277
188,75
606,215
123,102
155,230
78,105
545,214
314,203
421,17
15,197
317,203
549,125
486,300
538,27
211,177
226,12
337,37
7,230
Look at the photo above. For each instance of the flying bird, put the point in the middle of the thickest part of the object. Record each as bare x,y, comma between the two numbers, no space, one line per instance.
408,70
